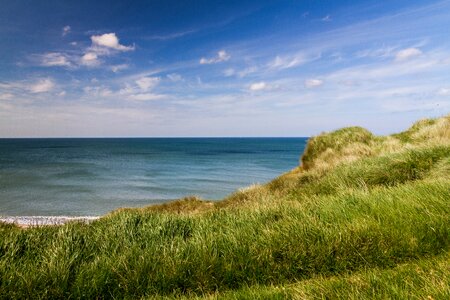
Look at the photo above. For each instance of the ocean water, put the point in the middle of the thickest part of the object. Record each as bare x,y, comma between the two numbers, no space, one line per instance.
90,177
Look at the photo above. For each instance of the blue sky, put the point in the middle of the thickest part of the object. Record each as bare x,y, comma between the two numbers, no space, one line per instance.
220,68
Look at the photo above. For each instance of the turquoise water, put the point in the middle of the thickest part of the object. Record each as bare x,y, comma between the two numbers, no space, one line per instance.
89,177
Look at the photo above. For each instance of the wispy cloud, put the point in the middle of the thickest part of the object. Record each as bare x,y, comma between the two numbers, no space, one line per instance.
170,36
247,71
6,96
312,83
239,73
408,53
118,68
174,77
66,30
291,61
98,91
54,59
141,89
42,86
101,46
136,89
262,86
33,86
222,56
147,97
147,83
443,92
433,62
229,72
393,30
383,52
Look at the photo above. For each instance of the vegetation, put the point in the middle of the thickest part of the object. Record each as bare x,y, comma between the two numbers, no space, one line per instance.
419,279
361,217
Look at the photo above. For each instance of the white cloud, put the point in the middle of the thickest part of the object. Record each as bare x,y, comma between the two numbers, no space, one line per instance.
127,90
42,86
90,59
6,96
102,45
291,61
222,56
147,83
312,83
54,59
407,53
98,91
171,36
174,77
247,71
382,52
258,86
66,30
242,73
229,72
105,92
109,40
409,105
13,86
118,68
147,97
327,18
443,92
141,89
434,62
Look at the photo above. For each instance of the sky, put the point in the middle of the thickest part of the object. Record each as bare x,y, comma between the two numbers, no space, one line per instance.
220,68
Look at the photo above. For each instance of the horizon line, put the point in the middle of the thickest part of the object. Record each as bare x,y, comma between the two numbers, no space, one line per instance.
155,137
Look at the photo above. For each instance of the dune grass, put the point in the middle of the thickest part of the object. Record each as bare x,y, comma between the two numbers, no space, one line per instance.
427,278
370,221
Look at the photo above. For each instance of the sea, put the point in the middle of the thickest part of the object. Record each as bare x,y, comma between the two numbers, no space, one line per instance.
89,177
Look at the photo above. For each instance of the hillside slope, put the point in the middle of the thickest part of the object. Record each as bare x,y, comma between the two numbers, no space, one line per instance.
360,212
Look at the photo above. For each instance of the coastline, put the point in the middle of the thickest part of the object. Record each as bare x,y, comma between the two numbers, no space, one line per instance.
358,208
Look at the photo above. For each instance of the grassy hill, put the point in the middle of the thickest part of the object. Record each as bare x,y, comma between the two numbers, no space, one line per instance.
362,216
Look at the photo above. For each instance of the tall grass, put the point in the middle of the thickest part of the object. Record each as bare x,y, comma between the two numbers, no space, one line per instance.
356,218
428,278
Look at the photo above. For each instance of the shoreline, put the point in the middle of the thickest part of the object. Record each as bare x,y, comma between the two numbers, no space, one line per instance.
32,221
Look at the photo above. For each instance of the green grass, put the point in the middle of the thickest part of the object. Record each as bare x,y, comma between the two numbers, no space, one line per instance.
367,227
428,278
